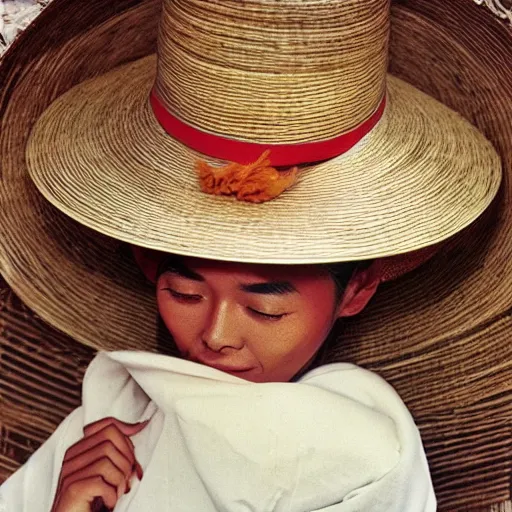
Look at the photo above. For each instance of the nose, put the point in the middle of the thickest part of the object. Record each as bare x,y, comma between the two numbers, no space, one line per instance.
222,328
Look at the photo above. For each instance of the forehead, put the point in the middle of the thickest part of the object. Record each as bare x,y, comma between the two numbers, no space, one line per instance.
257,272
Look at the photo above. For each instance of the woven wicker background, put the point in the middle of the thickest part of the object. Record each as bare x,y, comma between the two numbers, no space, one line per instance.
41,369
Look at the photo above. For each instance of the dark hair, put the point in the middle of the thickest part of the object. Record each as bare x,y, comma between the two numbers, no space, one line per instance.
169,261
341,274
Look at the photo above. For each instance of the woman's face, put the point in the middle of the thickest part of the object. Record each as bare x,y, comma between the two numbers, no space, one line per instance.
259,322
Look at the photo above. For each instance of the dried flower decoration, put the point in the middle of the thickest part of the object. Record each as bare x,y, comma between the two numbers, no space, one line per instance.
255,183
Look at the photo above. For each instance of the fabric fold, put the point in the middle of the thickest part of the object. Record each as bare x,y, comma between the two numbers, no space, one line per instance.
339,440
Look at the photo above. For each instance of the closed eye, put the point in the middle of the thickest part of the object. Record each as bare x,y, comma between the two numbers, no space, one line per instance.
184,297
267,315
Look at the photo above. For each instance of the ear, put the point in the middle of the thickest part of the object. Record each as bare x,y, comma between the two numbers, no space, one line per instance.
148,261
364,282
359,291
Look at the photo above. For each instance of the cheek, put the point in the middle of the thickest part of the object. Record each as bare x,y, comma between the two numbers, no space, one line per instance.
309,334
294,343
180,321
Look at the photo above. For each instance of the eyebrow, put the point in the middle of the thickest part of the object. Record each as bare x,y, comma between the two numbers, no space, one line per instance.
270,288
182,270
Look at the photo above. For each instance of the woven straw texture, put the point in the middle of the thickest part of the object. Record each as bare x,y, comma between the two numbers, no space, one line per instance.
413,185
440,336
251,74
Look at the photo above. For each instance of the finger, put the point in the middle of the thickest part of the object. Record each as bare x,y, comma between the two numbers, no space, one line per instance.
128,429
103,467
104,449
80,495
109,433
138,470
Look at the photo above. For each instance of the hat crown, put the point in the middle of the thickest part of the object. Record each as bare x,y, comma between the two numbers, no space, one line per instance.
271,71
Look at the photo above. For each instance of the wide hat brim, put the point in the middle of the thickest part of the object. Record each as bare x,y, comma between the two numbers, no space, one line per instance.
420,176
441,335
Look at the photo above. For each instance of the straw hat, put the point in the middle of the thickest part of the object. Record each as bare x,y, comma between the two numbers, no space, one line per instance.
399,170
445,324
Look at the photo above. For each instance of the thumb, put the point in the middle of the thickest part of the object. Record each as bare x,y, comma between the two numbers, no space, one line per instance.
130,429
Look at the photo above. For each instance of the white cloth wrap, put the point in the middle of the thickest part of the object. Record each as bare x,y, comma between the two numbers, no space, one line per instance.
339,440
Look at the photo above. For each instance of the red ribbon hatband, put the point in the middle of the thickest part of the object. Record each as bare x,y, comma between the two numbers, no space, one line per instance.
242,152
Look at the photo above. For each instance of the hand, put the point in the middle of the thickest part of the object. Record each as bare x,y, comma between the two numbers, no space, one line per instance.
97,469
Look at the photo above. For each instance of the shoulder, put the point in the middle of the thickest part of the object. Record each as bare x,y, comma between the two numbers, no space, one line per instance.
357,383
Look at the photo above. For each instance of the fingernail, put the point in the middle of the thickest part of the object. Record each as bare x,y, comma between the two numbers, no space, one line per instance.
138,469
128,487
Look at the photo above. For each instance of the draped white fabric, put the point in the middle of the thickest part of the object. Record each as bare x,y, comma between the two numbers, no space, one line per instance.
339,440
